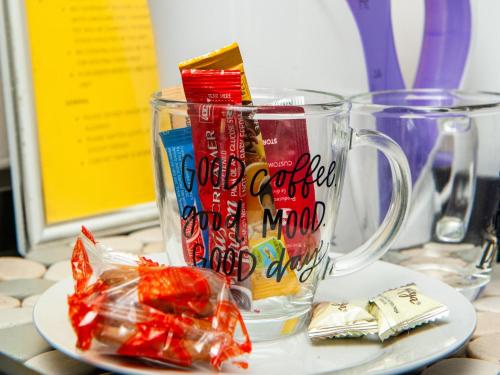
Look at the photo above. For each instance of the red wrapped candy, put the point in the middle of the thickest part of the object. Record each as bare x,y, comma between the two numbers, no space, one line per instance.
135,307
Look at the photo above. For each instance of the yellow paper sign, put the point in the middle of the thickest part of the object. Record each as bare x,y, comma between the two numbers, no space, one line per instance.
94,70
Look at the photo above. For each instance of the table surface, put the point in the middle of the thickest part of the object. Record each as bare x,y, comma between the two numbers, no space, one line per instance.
24,351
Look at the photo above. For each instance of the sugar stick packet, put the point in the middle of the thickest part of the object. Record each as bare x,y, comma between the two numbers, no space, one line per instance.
287,149
179,147
267,247
217,133
225,58
404,308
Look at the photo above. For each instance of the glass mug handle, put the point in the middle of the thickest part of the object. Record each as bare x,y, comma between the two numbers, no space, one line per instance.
458,193
382,239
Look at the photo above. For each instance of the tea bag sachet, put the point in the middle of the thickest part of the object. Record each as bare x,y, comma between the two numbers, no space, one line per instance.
331,319
404,308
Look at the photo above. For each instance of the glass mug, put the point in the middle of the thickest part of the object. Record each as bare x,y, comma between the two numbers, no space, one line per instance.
253,192
451,141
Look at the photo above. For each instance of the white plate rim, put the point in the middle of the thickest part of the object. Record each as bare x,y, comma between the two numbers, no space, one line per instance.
406,367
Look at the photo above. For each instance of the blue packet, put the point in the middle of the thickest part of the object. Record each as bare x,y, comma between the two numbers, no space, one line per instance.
178,144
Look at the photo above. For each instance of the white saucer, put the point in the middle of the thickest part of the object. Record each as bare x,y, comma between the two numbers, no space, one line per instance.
296,355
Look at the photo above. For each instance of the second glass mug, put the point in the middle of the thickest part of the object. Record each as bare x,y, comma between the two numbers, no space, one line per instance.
253,192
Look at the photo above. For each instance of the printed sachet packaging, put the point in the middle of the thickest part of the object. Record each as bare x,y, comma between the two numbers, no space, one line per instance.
404,308
289,159
346,319
225,58
179,147
264,245
218,140
388,314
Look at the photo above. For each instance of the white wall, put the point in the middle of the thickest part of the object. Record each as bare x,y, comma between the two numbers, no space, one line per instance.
483,70
313,44
4,150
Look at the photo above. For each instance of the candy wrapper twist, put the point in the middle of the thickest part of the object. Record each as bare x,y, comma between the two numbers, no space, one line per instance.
132,306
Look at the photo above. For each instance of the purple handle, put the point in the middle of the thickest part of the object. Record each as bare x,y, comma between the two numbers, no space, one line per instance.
445,45
442,61
375,27
444,52
382,68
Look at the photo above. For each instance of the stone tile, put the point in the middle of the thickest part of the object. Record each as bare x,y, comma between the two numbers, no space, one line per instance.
491,304
493,288
495,273
22,342
487,323
25,287
148,235
30,301
49,254
462,366
486,348
422,260
59,271
153,248
56,363
122,243
15,317
14,268
8,302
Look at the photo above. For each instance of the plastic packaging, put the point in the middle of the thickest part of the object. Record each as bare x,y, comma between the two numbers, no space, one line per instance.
134,307
291,179
404,308
225,58
218,140
349,319
257,174
281,283
179,147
